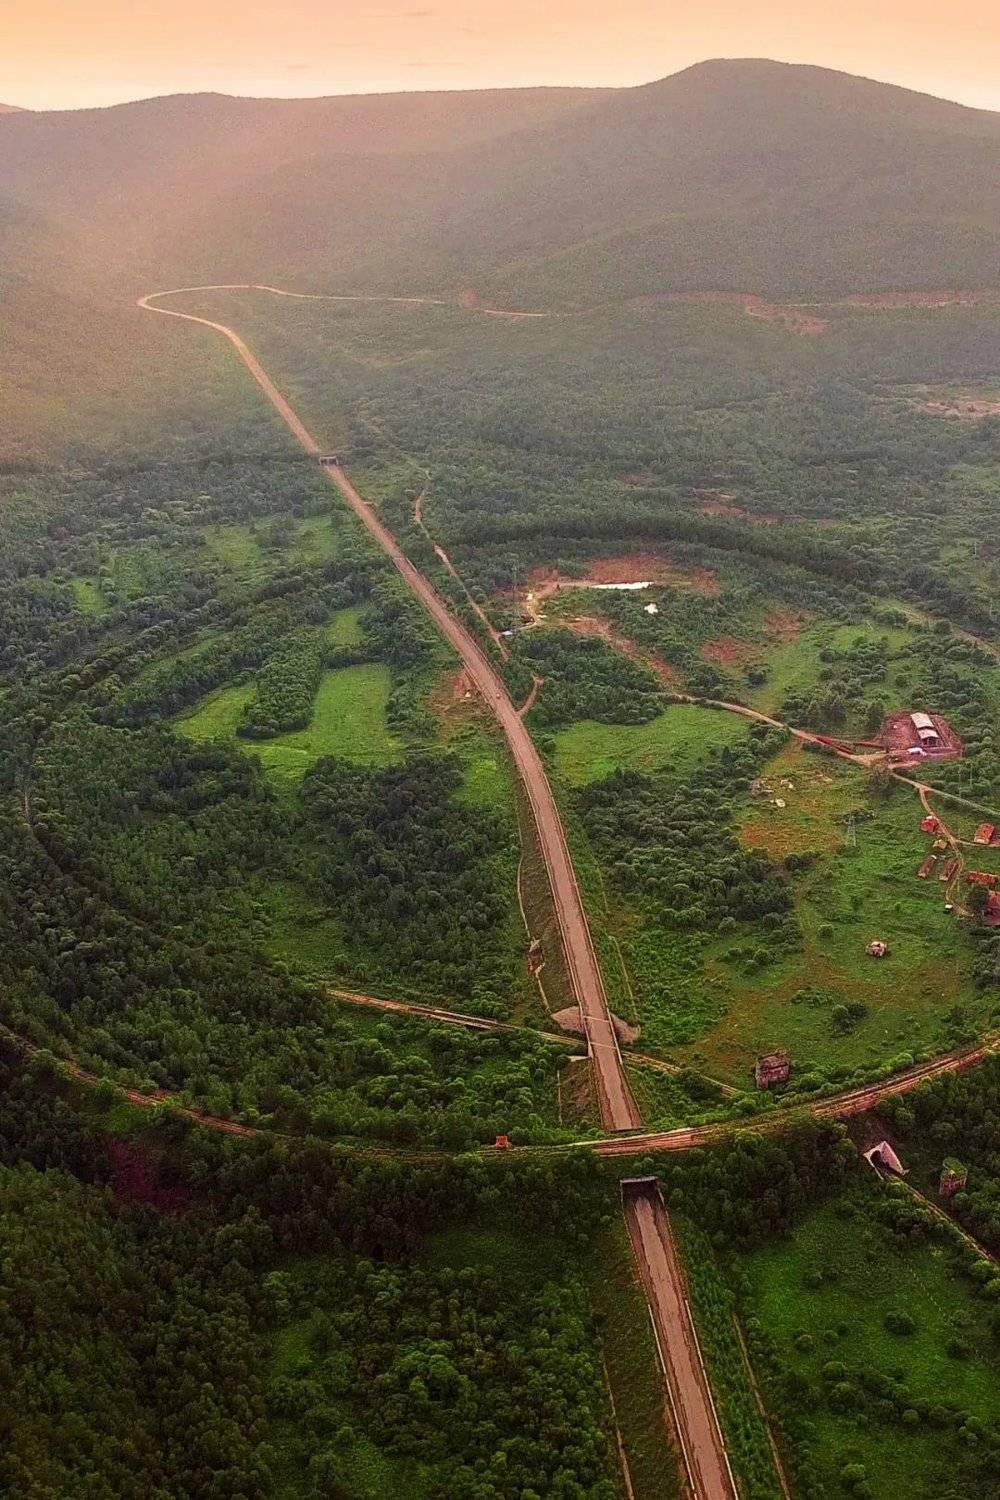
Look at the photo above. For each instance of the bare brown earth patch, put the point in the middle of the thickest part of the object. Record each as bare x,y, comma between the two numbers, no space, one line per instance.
595,626
632,567
454,699
796,319
728,508
729,651
652,567
637,480
784,624
965,409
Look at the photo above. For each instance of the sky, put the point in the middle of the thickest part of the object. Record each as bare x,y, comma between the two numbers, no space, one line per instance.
64,54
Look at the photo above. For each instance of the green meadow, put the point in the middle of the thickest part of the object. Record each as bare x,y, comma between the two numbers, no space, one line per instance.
348,720
680,738
824,1294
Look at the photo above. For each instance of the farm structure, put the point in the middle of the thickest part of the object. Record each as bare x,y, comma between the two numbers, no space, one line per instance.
986,834
916,736
771,1069
954,1176
991,915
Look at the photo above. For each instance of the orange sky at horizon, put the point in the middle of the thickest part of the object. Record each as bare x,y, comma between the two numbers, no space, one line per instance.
65,54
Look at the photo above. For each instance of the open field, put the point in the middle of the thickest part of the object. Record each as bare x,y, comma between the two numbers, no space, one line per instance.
344,629
88,596
250,550
717,1001
677,740
821,1296
860,886
348,720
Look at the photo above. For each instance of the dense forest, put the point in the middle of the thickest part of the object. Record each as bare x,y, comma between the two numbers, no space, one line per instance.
222,1304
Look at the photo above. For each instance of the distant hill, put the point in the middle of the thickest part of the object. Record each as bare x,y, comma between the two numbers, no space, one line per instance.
732,175
11,109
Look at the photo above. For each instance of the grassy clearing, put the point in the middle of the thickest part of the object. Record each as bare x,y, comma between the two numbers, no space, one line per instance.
237,547
88,596
849,895
793,661
823,1294
489,775
716,1001
301,932
316,539
681,737
817,792
137,571
344,627
218,714
348,720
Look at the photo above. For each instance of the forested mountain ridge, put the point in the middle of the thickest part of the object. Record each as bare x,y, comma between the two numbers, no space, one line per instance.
742,175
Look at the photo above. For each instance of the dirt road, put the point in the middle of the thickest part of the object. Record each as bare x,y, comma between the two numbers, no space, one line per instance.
695,1418
618,1110
451,1017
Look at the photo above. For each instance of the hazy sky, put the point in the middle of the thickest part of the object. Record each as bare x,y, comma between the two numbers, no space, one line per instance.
60,54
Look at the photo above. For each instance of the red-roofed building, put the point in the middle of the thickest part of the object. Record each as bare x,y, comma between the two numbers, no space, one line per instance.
772,1069
984,833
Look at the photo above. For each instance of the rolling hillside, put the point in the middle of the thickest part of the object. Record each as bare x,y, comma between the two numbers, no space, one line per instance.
744,175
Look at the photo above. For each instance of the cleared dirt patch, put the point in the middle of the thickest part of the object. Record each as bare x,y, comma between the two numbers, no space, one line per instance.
784,624
967,410
729,508
454,698
794,318
595,626
729,651
630,567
